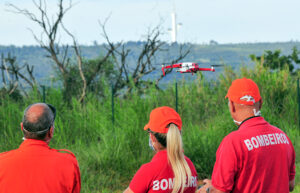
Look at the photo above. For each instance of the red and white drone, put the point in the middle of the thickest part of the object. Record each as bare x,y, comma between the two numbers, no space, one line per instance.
188,67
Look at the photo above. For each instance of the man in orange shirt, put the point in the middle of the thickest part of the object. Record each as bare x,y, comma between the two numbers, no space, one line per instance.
34,167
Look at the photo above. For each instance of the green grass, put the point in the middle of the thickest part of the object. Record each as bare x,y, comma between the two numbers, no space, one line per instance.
110,154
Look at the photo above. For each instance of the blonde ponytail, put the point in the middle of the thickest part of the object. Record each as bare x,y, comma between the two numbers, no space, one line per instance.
180,167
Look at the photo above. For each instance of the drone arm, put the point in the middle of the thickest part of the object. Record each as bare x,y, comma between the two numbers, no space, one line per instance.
173,66
170,66
163,70
205,69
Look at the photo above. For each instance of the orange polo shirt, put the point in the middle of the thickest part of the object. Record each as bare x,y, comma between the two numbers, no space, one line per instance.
36,168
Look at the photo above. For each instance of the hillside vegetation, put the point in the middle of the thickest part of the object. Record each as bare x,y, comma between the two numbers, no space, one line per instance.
234,55
109,154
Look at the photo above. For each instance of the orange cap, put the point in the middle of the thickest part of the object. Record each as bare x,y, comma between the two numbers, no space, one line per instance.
161,117
243,91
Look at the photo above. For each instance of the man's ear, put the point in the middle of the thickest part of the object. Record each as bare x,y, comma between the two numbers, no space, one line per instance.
232,107
260,104
50,132
21,126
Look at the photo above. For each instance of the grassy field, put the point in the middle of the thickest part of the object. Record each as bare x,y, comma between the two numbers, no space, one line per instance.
109,154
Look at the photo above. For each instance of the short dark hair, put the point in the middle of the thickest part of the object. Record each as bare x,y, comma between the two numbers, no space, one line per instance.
38,129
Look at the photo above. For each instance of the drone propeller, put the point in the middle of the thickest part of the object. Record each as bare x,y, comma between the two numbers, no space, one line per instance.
217,65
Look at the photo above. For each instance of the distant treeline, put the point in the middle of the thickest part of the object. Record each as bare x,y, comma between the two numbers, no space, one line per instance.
206,54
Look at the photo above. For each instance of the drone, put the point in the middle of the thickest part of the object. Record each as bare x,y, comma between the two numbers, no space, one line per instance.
188,67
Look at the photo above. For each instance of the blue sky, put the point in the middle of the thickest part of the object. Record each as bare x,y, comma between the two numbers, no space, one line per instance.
225,21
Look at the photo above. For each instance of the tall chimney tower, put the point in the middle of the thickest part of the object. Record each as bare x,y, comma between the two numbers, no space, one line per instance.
175,26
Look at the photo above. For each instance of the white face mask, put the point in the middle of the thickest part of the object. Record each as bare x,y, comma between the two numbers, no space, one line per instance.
237,122
150,144
256,113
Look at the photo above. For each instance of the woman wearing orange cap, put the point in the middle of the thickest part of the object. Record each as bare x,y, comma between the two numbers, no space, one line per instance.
169,170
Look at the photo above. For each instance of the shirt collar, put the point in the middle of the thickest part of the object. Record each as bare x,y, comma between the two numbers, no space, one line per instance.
250,120
159,154
33,142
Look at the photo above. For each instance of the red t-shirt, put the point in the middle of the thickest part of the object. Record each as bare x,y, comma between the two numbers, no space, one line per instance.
157,176
257,158
36,168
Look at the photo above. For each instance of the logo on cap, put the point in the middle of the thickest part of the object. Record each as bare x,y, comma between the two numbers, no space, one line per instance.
243,91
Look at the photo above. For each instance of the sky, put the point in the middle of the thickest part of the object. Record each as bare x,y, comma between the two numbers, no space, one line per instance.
224,21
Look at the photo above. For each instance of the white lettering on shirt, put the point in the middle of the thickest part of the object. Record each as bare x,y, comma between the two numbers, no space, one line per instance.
287,141
193,181
271,139
283,138
156,185
171,183
165,184
248,144
278,138
260,139
266,140
274,138
254,142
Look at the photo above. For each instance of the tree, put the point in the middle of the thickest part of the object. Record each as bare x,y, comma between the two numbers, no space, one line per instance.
274,60
134,76
60,54
15,78
90,71
95,84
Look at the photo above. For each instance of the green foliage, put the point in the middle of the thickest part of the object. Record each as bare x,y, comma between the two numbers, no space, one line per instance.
97,76
15,95
110,154
274,60
232,54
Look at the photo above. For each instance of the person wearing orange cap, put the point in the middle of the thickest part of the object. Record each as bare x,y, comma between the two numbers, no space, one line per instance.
35,167
257,157
169,170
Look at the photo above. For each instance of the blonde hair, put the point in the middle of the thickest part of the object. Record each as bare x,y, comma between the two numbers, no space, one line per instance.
181,169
